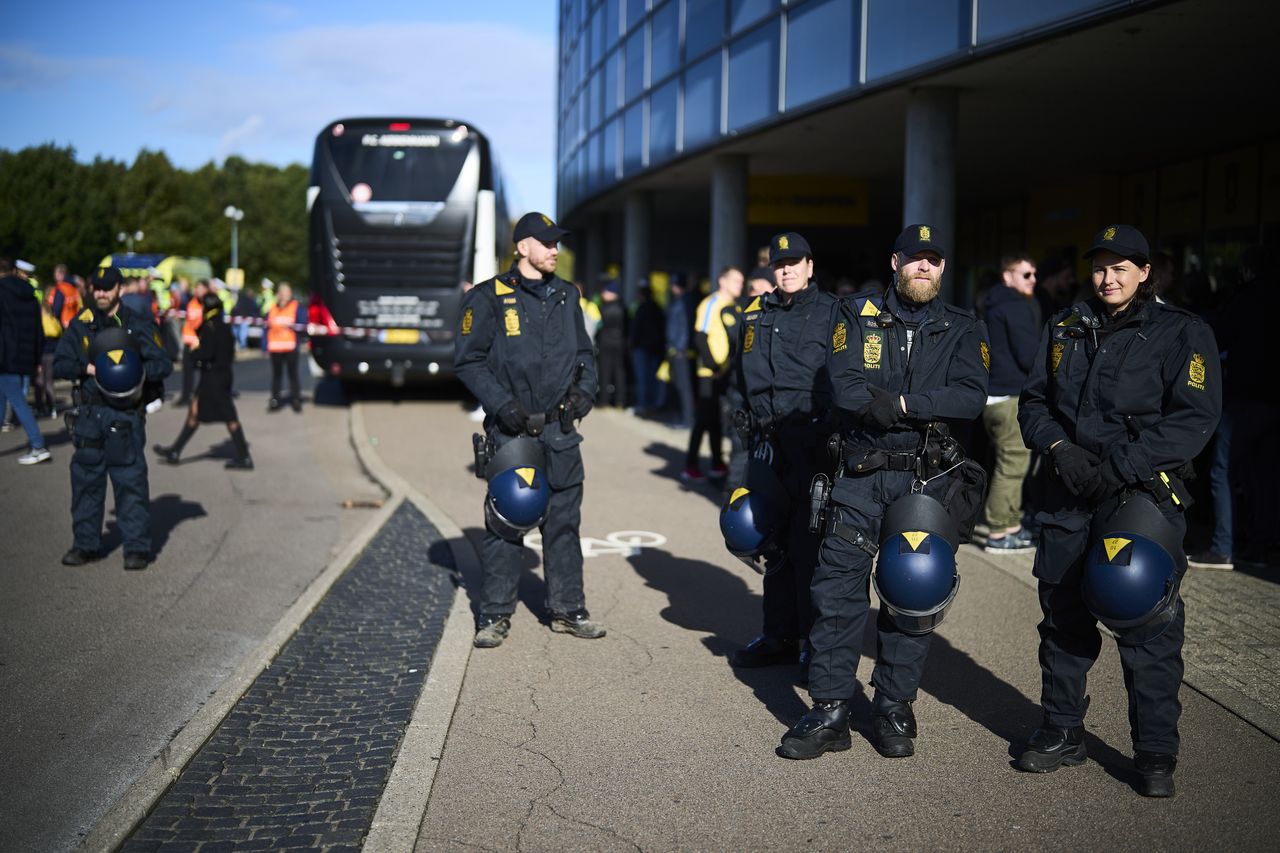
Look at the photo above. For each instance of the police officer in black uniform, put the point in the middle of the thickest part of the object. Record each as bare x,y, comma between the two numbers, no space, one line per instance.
523,351
896,362
1125,392
782,379
109,440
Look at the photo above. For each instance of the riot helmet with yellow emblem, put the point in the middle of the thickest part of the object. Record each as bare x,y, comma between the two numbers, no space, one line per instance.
915,575
753,521
118,368
519,493
1132,573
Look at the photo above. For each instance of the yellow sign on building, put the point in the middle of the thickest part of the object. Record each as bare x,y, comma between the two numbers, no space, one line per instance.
234,277
799,200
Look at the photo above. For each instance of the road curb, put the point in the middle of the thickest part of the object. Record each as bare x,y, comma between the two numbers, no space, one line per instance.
114,827
398,819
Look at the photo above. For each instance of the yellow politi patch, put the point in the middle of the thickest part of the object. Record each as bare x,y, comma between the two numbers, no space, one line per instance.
115,355
1114,545
86,315
84,343
986,355
468,317
1195,372
1056,355
869,309
526,474
737,493
500,288
914,538
749,339
871,350
754,306
839,338
511,319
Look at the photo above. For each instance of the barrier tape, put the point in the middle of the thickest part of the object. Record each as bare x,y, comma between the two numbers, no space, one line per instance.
319,330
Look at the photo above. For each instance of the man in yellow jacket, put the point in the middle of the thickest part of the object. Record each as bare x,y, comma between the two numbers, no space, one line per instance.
714,326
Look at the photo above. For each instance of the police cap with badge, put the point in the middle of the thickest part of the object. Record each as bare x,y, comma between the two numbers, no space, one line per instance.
1124,240
918,238
538,226
788,247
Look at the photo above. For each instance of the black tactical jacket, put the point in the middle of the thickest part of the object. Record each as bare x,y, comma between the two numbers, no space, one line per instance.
782,357
72,356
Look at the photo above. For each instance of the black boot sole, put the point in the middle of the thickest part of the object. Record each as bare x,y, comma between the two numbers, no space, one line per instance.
898,748
1039,762
801,750
1159,786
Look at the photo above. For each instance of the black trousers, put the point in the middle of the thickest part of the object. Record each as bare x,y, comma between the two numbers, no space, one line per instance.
842,600
612,363
1070,643
279,362
189,372
561,560
706,421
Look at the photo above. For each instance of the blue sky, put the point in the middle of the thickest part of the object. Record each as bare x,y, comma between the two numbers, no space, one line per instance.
201,81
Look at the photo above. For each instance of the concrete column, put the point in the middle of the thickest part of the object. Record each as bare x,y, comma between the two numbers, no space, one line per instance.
635,241
728,213
593,257
929,179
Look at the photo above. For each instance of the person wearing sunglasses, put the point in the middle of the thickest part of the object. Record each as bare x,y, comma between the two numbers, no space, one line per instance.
1013,321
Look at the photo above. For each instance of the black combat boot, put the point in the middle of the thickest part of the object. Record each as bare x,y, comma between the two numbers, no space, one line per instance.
80,557
1052,746
765,651
825,728
243,461
173,453
1157,773
893,727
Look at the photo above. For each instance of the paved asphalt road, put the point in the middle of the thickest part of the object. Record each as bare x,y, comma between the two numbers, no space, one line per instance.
649,740
98,666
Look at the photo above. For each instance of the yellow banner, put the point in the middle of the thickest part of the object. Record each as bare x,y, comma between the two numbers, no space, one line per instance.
798,200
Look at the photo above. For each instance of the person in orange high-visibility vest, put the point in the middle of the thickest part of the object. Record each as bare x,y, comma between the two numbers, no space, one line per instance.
283,321
67,292
191,340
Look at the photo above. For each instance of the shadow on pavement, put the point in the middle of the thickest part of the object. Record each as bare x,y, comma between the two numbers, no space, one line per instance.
706,598
167,512
673,464
532,590
55,435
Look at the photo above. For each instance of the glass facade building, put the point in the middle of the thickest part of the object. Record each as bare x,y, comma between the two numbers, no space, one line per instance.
646,82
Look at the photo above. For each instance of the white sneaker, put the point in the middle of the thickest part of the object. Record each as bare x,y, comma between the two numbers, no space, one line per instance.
477,414
34,455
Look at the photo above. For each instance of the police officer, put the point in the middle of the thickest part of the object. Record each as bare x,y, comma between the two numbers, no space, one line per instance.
1124,393
895,361
782,379
109,438
523,351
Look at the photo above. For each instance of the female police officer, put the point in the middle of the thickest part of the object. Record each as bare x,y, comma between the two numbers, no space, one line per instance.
1125,392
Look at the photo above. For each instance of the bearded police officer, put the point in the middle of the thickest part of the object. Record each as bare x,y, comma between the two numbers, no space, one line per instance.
782,380
523,351
898,364
108,425
1125,392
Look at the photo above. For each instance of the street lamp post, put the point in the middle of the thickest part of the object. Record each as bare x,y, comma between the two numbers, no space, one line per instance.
129,238
235,214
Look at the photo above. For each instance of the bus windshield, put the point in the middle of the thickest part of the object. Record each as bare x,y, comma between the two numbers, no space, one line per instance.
377,165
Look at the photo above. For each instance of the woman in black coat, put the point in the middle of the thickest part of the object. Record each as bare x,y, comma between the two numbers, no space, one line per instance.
213,402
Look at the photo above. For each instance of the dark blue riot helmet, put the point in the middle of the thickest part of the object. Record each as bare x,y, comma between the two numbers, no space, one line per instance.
519,493
753,521
1133,571
118,368
915,576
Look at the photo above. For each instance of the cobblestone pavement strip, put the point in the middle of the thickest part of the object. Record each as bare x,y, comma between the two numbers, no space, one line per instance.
302,759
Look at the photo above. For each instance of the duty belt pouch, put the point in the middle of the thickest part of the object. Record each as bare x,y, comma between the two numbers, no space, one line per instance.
120,447
87,433
964,495
481,451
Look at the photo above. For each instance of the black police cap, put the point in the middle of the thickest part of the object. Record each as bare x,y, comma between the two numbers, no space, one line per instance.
788,247
1125,240
918,238
538,226
106,278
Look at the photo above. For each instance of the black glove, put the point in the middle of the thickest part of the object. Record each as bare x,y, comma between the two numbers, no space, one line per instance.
1108,483
883,411
1078,468
512,418
579,403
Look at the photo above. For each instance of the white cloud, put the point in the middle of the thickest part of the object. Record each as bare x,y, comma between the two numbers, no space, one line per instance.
233,139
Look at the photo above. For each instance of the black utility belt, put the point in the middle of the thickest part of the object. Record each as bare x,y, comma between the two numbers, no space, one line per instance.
863,460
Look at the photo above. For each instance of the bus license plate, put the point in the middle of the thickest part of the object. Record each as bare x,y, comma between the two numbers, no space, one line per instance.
401,336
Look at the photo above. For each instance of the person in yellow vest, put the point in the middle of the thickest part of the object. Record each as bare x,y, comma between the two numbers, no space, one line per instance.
283,321
191,339
713,328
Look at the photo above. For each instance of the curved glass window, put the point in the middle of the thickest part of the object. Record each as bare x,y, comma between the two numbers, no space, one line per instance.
633,139
664,41
703,26
662,123
902,34
597,34
612,24
702,102
999,18
609,153
635,11
753,77
822,39
635,65
611,82
745,12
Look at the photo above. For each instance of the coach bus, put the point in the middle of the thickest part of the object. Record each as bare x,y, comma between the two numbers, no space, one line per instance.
403,213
